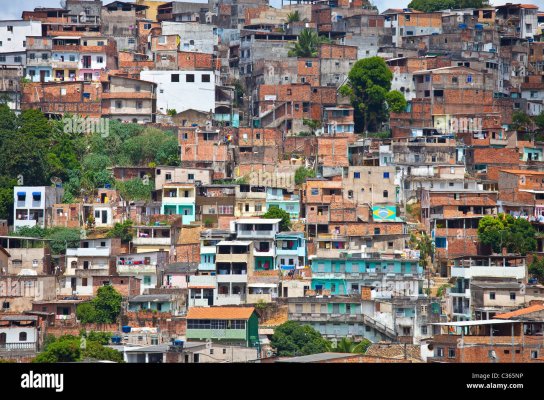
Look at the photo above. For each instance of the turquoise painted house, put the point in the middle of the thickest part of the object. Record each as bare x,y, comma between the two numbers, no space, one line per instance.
290,203
349,273
179,199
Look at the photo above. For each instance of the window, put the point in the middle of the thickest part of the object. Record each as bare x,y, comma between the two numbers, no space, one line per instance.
147,280
10,28
131,41
512,296
18,59
309,64
99,59
315,192
491,295
385,194
451,352
118,104
356,175
191,176
534,354
189,78
139,105
424,329
386,175
162,39
22,336
440,352
147,26
211,351
174,78
205,77
376,231
224,351
84,282
469,78
5,305
32,56
2,58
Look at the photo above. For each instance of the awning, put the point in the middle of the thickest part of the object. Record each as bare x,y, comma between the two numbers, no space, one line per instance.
21,193
36,194
287,267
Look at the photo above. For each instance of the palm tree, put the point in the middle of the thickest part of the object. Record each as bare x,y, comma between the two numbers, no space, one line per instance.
307,44
347,346
293,16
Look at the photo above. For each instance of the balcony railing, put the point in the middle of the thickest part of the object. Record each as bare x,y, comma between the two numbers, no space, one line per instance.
31,346
255,234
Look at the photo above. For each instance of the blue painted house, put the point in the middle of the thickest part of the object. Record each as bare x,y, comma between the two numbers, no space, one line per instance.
352,271
290,251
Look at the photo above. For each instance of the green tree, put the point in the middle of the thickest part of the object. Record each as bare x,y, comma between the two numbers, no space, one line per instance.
516,234
368,85
302,173
107,304
276,212
536,269
69,348
521,121
122,230
62,238
396,101
292,339
62,350
307,45
435,5
135,189
86,313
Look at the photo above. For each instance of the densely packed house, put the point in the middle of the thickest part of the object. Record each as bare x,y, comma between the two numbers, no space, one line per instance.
280,205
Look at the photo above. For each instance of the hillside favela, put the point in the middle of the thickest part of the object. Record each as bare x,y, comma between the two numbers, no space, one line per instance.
245,181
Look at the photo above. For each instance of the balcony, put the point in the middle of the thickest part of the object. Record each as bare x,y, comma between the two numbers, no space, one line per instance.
136,269
198,302
64,64
18,347
229,299
202,280
151,241
465,294
232,258
207,249
38,62
72,48
231,278
269,253
243,234
87,273
488,272
88,252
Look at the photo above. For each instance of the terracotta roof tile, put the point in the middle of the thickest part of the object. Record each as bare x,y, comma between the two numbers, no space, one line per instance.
520,312
220,312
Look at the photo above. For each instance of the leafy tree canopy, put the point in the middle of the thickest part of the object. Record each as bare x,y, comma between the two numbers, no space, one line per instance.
103,309
292,339
516,234
435,5
276,212
368,86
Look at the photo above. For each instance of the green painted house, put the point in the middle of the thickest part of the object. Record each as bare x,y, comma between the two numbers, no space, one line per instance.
233,325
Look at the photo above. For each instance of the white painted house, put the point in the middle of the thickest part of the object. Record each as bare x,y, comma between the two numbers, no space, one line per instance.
13,40
32,205
183,90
